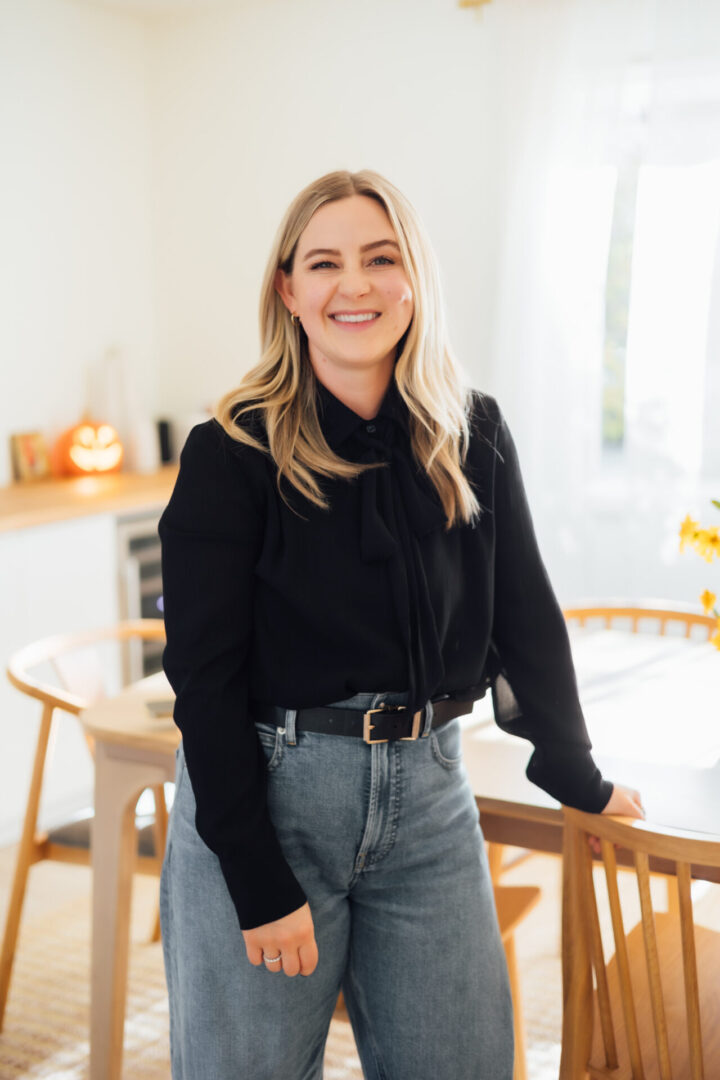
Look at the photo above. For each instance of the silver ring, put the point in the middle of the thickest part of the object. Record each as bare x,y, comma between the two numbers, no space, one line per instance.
272,959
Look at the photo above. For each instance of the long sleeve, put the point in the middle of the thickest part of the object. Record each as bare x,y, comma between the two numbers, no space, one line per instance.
535,694
211,533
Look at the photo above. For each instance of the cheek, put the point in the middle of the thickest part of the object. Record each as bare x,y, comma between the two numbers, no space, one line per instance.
400,296
314,299
396,288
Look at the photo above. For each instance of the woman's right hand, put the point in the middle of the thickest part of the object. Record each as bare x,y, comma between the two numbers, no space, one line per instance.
293,937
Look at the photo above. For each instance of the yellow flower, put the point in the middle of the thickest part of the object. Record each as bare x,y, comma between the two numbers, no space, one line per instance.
688,529
715,640
707,542
708,601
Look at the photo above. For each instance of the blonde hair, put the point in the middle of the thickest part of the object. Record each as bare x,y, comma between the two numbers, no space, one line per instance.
282,384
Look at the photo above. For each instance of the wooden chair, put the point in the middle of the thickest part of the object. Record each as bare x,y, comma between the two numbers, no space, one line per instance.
76,662
652,1012
513,903
657,617
654,615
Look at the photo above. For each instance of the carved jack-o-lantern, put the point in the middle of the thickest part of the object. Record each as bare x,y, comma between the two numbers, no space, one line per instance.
88,447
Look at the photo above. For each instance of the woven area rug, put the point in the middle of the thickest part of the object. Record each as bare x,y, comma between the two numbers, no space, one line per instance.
46,1023
45,1033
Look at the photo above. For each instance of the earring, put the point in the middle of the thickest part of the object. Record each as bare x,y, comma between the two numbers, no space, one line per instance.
294,318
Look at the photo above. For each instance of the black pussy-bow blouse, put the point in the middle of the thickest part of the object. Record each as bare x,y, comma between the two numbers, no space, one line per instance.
304,608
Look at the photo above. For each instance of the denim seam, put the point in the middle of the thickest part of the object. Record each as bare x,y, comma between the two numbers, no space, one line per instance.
449,764
368,835
391,827
172,972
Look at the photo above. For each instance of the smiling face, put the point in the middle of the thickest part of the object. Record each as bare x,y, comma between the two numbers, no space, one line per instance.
349,286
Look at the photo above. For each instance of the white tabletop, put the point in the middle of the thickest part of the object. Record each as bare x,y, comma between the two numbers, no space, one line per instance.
652,707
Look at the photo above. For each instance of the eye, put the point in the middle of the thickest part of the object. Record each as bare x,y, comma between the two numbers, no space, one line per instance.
320,265
384,260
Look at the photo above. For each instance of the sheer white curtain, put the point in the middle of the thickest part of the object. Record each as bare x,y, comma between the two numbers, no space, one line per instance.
610,113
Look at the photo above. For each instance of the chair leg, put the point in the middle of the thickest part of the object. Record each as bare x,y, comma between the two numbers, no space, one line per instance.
160,827
495,858
520,1068
25,860
155,932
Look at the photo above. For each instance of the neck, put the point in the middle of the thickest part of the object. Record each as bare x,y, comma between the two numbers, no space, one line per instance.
361,389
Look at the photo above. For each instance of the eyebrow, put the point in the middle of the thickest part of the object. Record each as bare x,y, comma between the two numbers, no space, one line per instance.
365,247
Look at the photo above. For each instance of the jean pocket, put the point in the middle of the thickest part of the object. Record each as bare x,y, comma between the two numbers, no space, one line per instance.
272,741
446,744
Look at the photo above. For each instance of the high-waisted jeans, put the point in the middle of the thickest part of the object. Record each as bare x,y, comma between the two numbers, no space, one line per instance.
386,843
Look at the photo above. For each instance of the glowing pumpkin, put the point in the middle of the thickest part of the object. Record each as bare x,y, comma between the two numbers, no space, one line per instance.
88,447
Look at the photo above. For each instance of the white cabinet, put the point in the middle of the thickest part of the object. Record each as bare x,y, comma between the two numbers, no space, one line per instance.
53,579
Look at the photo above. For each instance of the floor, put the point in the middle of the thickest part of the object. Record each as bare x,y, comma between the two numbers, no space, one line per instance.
46,1023
45,1029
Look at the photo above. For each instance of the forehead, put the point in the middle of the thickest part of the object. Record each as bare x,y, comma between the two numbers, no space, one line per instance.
346,223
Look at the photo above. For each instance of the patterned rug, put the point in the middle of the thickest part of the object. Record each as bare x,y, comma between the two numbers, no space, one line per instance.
45,1033
46,1023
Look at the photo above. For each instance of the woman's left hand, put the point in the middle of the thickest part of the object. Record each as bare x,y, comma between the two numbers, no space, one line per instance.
626,802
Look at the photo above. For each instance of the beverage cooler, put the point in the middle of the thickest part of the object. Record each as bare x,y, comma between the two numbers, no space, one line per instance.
140,588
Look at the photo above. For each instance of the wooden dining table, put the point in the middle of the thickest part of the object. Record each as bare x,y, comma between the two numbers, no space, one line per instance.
651,708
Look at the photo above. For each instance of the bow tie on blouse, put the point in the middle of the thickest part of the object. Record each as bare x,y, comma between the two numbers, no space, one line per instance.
391,492
398,505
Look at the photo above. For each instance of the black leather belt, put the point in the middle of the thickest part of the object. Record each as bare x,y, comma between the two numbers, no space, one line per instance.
386,723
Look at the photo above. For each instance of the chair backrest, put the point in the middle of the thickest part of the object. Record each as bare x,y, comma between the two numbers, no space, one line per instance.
75,660
655,1010
657,616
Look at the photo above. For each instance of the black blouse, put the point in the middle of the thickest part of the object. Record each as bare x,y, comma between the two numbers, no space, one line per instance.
304,606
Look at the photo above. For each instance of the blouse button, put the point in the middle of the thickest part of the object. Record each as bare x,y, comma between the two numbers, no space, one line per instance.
370,428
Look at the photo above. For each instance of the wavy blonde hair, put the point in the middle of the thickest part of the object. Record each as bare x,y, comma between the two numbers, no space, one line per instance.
429,379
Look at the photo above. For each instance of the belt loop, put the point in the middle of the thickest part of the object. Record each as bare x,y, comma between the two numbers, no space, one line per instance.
290,715
428,719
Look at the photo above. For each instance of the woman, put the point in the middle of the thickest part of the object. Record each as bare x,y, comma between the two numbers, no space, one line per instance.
349,562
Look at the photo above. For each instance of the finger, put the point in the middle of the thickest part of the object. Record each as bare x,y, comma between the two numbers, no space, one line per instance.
254,954
273,965
308,955
291,963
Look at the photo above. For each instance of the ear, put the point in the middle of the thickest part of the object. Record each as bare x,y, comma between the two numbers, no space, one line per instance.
283,286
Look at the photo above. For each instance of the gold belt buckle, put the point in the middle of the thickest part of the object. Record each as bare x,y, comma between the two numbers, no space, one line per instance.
368,727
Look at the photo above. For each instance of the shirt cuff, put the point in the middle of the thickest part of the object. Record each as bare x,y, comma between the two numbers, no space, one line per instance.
569,774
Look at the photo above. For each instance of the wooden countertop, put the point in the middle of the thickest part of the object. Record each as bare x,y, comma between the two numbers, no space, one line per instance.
44,502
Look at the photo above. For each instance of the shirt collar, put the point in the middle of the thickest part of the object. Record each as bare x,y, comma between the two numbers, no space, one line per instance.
338,421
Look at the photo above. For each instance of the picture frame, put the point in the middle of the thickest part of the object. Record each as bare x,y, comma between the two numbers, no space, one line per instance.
29,456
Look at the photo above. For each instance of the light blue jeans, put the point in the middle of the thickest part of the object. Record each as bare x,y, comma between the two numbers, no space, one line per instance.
386,843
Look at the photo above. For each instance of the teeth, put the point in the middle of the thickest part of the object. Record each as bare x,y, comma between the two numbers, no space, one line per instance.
355,318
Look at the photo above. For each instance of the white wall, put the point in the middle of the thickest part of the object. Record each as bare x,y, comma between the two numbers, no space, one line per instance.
76,268
256,99
147,162
149,149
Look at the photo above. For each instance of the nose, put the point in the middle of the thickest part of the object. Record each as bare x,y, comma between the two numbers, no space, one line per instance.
354,282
